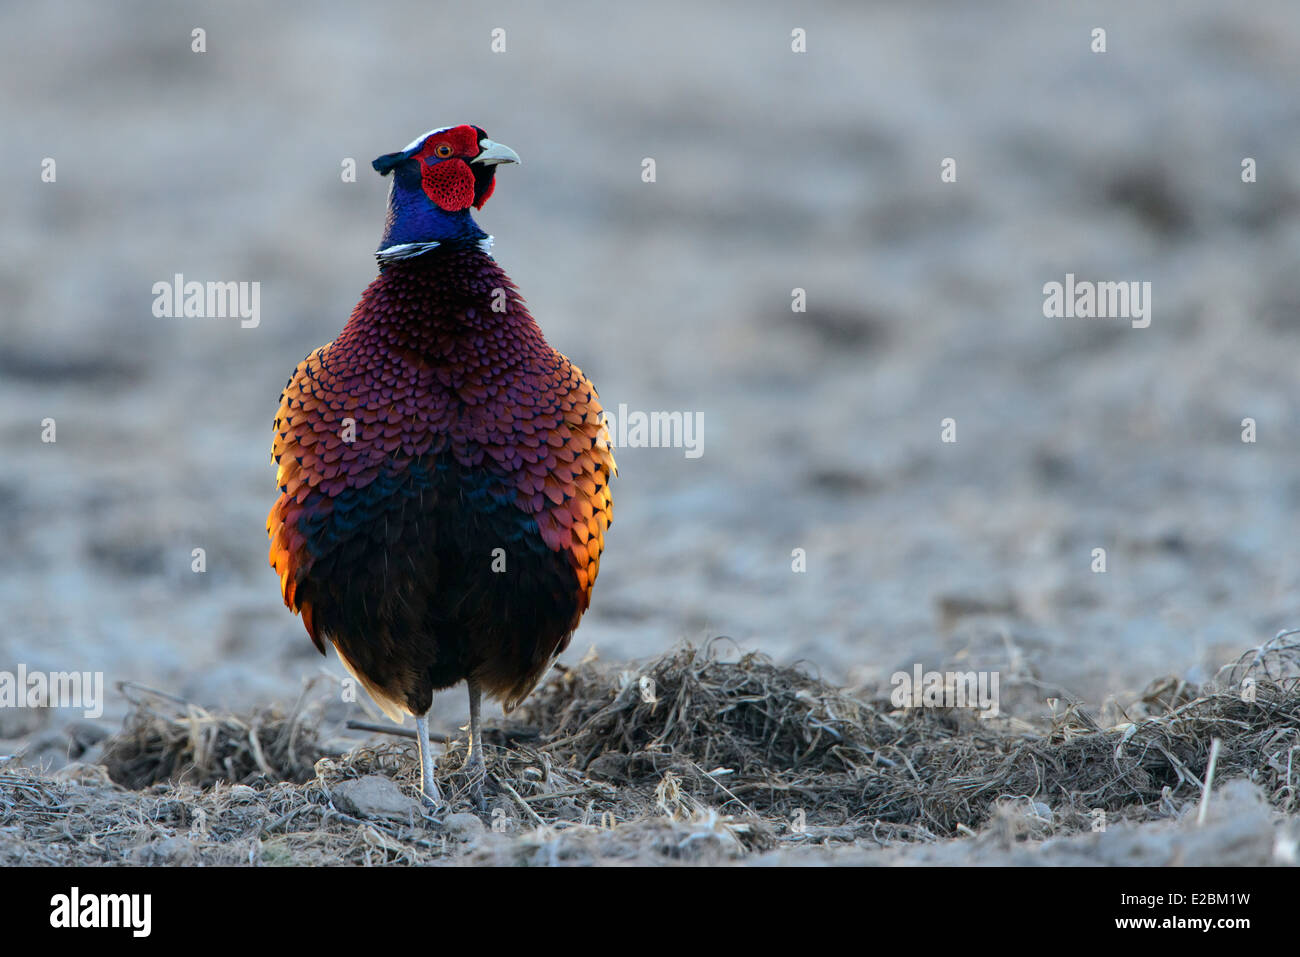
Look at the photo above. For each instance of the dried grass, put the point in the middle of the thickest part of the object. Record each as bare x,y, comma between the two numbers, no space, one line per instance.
168,739
693,758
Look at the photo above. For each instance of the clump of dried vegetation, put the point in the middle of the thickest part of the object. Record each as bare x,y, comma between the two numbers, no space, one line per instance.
694,757
169,739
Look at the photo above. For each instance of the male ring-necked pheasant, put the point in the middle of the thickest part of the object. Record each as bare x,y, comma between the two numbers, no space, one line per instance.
444,473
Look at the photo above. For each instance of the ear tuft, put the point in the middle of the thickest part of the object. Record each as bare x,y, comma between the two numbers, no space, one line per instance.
385,164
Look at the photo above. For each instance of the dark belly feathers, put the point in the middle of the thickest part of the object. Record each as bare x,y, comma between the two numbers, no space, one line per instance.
429,576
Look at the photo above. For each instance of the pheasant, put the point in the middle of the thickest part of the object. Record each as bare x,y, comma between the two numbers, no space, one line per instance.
444,473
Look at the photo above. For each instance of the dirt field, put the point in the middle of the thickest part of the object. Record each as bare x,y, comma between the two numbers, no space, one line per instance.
826,527
692,758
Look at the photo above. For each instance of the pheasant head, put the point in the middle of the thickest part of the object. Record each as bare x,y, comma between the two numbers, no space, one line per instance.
437,179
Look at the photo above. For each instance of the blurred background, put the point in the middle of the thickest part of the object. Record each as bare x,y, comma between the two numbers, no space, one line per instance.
775,170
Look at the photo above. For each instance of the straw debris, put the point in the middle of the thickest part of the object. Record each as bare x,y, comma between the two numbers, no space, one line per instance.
694,758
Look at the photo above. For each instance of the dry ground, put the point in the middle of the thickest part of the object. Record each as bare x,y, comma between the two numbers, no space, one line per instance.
693,758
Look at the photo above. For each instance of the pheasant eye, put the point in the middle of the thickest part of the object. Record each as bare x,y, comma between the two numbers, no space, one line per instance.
442,150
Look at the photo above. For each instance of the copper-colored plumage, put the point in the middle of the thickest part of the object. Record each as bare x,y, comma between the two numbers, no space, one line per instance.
426,377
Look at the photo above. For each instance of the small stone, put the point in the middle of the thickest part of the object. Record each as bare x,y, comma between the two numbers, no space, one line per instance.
170,851
373,796
464,826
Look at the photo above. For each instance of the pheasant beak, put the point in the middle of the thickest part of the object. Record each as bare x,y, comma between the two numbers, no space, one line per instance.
492,154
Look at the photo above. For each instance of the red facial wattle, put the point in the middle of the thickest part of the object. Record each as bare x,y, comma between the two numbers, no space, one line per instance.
449,183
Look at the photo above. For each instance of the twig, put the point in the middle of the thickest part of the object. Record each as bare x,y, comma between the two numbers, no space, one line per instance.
722,787
396,731
575,792
257,753
1209,780
126,686
285,819
522,803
